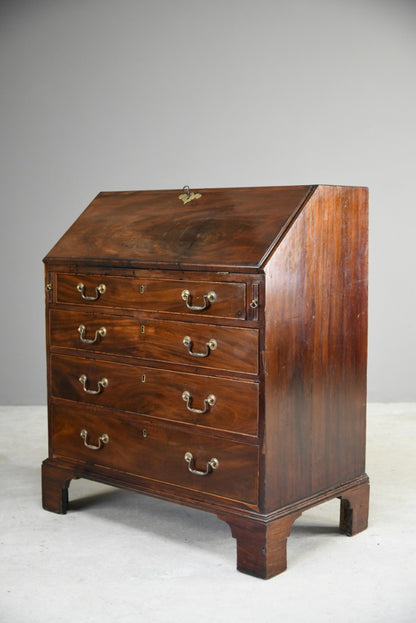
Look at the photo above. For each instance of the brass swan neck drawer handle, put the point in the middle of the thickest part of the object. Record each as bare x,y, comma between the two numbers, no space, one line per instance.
101,385
211,464
102,331
209,401
209,298
211,345
102,439
100,289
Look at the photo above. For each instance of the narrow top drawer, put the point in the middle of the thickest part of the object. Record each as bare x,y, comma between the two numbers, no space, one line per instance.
201,298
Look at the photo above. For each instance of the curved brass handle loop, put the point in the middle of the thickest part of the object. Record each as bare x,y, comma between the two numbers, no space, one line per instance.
103,439
209,401
101,385
211,345
81,330
211,464
210,297
100,289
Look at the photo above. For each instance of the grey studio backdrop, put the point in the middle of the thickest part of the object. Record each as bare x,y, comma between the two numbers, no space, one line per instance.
142,94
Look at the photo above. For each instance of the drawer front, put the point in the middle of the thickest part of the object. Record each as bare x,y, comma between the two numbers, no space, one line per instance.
156,452
220,348
207,401
206,298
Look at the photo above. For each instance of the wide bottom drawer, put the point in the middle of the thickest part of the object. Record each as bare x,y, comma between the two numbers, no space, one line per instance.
224,468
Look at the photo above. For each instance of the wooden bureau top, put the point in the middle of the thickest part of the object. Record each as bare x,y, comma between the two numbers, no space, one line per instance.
222,229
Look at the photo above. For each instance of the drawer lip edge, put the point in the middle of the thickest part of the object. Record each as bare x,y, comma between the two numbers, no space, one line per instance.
86,262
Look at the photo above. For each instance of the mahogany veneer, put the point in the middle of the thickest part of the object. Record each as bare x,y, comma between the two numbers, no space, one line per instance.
210,349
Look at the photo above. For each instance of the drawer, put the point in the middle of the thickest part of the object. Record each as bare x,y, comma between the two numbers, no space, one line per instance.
207,401
210,346
156,452
207,298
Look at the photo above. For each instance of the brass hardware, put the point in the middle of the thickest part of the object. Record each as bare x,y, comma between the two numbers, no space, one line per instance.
142,289
142,328
100,289
143,378
102,439
101,385
254,301
208,298
81,330
144,432
211,345
188,195
48,287
209,401
211,464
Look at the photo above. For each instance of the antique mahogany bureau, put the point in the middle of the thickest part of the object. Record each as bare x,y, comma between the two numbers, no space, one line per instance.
209,348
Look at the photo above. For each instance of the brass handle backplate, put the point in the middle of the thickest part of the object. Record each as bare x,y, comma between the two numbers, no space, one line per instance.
209,346
209,401
101,385
102,331
209,298
102,439
211,464
188,195
100,289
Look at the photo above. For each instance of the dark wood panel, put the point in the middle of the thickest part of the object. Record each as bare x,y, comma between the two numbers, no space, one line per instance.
235,349
288,262
229,299
224,228
156,452
316,345
159,393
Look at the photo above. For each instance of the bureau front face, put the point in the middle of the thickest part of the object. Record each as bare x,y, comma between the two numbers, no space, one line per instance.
154,381
210,349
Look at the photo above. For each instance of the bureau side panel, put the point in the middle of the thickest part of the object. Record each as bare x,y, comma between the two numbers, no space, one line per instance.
49,283
316,349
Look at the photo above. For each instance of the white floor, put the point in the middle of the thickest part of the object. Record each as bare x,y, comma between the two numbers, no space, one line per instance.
122,557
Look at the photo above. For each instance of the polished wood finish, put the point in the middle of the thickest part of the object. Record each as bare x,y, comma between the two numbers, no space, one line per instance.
261,546
354,509
158,340
156,392
226,229
316,340
261,541
155,451
274,413
157,295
